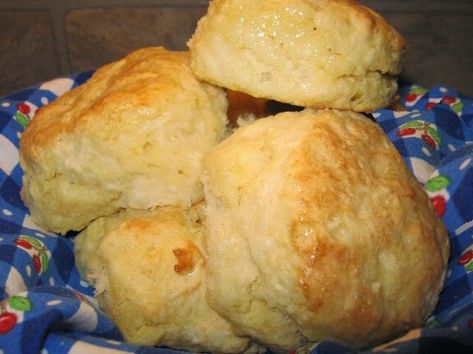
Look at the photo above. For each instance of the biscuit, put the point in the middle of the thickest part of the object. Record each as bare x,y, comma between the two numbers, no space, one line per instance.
323,221
133,136
311,53
148,268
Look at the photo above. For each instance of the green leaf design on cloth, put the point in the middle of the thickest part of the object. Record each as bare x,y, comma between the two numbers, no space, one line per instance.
414,124
457,107
437,183
44,262
435,135
22,119
37,244
469,267
418,90
19,303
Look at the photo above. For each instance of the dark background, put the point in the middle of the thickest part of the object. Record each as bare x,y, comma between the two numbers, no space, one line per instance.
44,39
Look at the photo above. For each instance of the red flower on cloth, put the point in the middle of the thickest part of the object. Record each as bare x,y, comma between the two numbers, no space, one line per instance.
9,312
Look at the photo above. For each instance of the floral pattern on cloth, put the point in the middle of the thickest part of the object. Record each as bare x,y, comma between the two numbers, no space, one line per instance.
46,308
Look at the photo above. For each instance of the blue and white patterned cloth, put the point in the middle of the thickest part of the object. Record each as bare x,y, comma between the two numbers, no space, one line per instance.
46,308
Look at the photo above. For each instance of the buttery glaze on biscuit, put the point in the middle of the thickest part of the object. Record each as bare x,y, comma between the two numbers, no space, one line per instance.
322,219
133,136
312,53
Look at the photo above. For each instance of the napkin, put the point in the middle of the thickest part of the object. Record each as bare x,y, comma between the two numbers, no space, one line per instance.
46,308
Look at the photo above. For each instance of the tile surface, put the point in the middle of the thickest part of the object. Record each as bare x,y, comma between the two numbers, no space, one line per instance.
98,36
27,51
439,48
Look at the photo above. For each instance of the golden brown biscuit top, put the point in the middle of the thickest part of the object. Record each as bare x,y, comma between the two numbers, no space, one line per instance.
371,18
335,26
310,53
358,203
321,202
121,93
